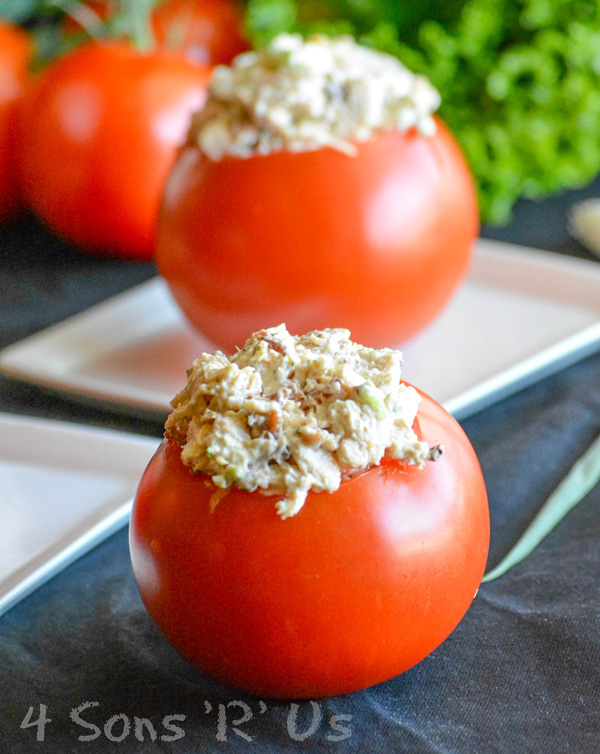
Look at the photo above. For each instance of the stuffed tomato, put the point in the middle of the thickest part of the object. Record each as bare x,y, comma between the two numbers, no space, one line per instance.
317,188
275,565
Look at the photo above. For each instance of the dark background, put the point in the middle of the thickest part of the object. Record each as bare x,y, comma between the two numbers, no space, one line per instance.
519,674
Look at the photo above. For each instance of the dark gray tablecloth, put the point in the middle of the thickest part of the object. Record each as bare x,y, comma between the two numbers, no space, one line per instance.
519,674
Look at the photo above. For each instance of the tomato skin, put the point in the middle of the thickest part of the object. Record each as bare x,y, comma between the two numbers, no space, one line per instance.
205,31
356,588
377,243
15,56
100,131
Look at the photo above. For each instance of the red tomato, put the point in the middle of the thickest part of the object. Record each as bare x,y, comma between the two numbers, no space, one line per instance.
377,243
15,54
206,31
356,588
101,128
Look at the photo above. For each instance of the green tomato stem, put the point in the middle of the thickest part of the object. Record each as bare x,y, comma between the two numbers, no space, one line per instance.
138,14
85,16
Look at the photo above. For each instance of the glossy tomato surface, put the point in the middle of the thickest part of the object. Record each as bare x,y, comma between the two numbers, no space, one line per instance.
101,128
356,588
377,243
15,54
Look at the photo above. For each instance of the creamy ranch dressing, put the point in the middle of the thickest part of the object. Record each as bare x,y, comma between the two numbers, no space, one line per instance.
290,414
302,95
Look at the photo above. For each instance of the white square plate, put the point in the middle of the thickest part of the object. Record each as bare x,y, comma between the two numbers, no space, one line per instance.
522,314
64,488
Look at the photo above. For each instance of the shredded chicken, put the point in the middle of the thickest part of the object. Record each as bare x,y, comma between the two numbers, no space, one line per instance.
299,95
291,414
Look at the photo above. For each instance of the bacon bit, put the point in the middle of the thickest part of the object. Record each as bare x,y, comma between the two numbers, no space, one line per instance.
275,422
274,343
287,392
